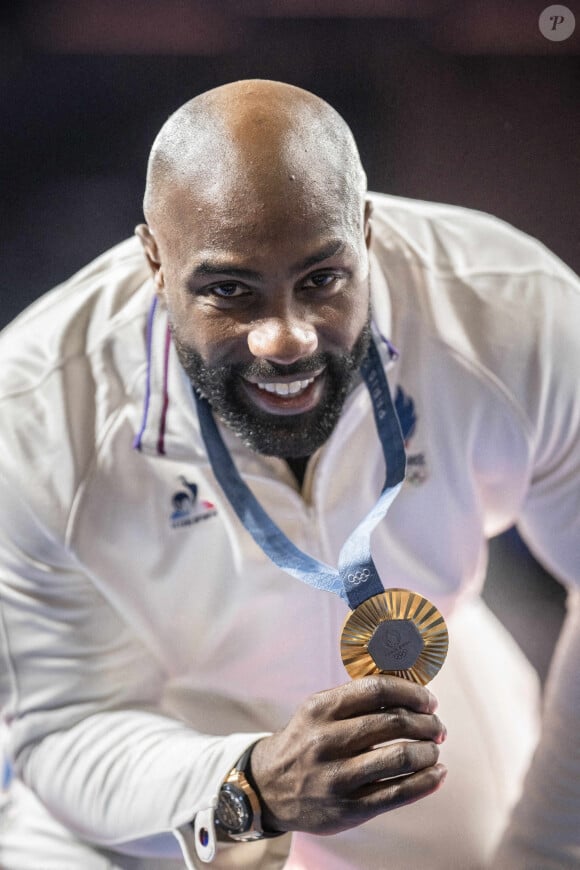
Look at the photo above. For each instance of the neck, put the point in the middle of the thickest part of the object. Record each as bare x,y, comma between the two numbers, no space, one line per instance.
297,466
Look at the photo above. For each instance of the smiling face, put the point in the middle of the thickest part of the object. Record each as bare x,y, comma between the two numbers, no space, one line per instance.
262,265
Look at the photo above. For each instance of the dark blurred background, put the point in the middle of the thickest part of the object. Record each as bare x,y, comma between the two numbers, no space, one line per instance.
460,102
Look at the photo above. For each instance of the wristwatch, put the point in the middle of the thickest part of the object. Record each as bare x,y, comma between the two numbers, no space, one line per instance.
238,812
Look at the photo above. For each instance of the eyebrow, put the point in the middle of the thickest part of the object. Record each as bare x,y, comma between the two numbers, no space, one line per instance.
208,269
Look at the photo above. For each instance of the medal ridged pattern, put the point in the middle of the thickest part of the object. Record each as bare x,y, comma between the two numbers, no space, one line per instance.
394,604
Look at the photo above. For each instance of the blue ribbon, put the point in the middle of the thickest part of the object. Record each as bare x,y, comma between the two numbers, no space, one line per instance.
357,577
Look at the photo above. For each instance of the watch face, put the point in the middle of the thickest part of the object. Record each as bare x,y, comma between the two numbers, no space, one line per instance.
233,812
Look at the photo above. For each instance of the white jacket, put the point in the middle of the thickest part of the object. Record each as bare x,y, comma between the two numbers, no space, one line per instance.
145,640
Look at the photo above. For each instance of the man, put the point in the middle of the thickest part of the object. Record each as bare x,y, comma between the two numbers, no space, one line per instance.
148,641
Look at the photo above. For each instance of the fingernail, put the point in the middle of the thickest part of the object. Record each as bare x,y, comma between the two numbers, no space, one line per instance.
442,770
442,736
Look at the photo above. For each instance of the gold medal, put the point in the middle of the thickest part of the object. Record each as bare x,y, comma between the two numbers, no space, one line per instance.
396,632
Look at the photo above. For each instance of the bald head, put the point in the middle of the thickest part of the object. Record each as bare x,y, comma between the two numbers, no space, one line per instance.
260,137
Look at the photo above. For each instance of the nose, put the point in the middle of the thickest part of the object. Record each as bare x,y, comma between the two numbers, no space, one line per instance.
282,341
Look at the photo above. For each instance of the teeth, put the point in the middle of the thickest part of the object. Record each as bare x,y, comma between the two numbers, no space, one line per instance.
289,389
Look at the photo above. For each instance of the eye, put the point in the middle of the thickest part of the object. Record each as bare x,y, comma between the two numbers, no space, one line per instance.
321,281
228,290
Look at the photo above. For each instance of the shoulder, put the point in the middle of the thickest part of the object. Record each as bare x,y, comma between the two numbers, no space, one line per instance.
71,319
68,365
451,266
467,286
453,241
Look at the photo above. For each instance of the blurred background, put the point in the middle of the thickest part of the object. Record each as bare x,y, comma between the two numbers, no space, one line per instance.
460,102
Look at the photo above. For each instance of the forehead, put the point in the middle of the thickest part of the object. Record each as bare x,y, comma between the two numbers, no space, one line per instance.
238,215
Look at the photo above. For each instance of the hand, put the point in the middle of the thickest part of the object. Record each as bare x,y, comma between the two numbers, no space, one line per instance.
328,771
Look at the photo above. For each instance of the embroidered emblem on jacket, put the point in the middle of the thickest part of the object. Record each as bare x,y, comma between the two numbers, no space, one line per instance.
416,464
187,508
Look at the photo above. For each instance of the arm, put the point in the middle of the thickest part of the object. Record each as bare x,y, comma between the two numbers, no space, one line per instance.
545,828
82,698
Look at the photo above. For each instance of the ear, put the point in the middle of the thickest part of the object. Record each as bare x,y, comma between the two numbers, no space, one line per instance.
151,251
367,223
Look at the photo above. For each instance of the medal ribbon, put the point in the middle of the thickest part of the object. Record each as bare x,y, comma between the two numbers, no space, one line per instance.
357,577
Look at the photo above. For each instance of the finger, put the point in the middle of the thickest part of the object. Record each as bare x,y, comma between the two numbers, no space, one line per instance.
389,794
369,694
358,735
385,762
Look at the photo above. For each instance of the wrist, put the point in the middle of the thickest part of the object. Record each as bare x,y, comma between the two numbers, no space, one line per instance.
267,825
264,782
238,815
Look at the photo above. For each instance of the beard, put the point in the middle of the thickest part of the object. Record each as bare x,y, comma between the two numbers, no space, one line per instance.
288,436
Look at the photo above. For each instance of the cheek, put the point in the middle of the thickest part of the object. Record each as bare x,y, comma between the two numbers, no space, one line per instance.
212,336
342,325
217,339
360,312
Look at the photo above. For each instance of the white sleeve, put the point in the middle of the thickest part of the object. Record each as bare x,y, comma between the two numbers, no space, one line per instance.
81,701
545,829
549,518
